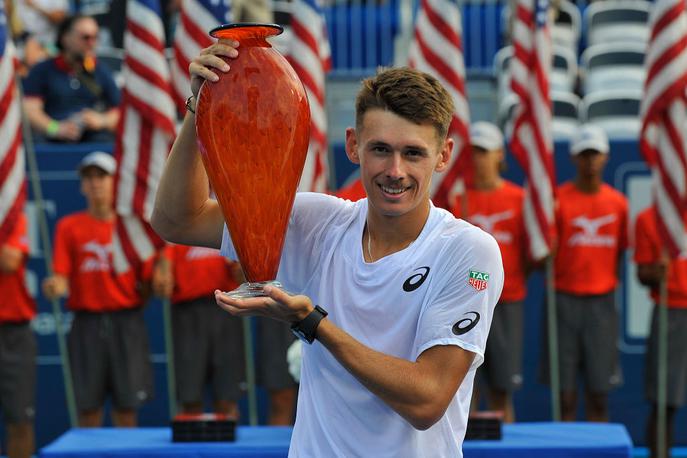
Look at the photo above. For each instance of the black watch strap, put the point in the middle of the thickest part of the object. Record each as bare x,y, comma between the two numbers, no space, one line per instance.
306,329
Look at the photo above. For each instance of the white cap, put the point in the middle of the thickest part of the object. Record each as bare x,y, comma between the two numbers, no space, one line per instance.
486,135
100,159
589,137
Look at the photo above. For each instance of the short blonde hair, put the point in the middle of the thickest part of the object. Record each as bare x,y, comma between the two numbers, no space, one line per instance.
409,93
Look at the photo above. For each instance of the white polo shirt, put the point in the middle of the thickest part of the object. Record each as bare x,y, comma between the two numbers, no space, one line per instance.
440,290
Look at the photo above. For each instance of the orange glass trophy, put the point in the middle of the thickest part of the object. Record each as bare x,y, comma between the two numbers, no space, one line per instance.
253,129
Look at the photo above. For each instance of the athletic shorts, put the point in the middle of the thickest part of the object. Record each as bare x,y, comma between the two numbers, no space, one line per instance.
208,349
110,355
17,372
587,342
271,367
502,367
677,358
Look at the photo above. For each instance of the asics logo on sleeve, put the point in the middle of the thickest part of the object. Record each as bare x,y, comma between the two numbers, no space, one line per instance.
415,281
466,324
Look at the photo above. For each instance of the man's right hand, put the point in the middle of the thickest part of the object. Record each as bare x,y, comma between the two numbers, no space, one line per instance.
55,287
205,65
651,275
163,278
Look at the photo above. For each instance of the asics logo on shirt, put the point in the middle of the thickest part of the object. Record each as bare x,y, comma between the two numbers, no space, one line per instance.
198,252
466,324
98,259
590,231
415,281
487,223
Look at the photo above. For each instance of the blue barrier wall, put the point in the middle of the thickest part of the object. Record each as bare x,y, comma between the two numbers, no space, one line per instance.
60,186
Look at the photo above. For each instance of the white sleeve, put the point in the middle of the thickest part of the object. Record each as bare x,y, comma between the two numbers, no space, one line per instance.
227,249
462,311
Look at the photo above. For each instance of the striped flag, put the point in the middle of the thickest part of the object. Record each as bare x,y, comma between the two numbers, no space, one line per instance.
145,134
12,186
531,140
310,56
437,49
663,138
196,19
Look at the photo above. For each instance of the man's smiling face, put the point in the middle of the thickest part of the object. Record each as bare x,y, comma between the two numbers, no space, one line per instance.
397,159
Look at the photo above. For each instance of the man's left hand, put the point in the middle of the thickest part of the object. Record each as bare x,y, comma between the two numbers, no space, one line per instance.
276,304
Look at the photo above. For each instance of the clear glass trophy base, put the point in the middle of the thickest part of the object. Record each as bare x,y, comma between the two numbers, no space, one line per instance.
250,289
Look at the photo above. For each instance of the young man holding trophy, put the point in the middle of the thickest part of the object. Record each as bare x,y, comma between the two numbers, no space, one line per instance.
393,296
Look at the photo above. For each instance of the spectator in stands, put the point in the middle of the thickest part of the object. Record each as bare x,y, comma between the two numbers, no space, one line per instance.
241,11
208,343
591,224
72,97
410,289
17,345
108,341
41,18
29,50
110,16
496,205
252,10
653,267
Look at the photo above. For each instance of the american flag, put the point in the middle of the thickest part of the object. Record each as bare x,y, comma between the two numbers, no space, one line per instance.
145,134
310,56
531,141
663,138
196,19
12,186
437,49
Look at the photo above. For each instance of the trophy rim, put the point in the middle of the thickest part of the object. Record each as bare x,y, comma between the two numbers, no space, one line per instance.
276,28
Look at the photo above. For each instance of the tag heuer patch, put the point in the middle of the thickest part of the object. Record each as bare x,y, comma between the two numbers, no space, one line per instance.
478,280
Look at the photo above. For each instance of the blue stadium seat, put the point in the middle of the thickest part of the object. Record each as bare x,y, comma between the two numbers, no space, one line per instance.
617,20
613,66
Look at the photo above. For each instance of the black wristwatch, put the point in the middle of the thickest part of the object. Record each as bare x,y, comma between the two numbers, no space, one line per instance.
306,329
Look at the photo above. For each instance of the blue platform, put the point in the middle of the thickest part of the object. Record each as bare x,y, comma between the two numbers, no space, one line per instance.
520,440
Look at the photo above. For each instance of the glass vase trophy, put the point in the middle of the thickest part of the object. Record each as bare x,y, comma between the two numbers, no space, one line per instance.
253,129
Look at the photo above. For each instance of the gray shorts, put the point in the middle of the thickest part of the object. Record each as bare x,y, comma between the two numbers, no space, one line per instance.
677,358
587,342
110,355
502,368
272,368
208,349
17,372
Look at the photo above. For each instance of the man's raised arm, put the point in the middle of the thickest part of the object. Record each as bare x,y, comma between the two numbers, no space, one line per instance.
184,212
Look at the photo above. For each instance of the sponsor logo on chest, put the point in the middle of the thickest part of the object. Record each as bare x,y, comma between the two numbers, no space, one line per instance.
488,223
416,280
589,235
198,252
478,280
96,257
